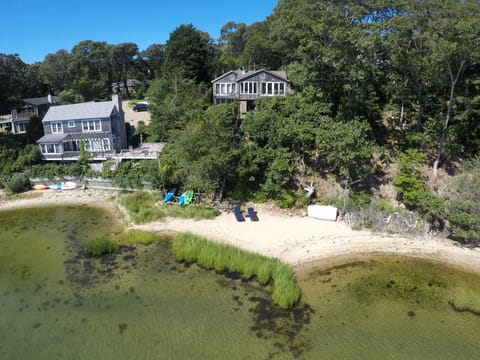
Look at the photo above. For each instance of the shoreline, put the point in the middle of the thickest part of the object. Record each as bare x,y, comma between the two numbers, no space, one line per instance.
303,243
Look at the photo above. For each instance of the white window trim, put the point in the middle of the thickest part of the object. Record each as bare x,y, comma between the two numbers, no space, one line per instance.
56,148
86,124
106,144
249,87
56,127
71,124
101,145
226,88
268,88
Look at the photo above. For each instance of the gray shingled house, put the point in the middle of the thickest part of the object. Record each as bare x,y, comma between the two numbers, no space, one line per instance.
19,118
99,125
246,87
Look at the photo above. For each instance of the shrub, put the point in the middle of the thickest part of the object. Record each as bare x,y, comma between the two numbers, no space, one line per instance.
18,183
411,188
464,204
100,245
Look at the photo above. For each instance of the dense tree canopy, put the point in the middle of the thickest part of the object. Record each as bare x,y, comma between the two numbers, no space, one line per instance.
369,80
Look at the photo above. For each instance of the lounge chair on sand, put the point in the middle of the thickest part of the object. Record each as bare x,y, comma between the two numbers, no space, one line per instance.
252,214
238,213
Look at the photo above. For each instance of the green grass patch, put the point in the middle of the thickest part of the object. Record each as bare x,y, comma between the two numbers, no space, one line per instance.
134,236
190,212
100,245
144,207
192,248
466,300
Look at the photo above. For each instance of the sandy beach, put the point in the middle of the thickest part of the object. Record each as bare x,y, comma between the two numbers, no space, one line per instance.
299,241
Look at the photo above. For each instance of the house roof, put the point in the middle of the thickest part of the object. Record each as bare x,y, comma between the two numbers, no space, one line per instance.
57,137
88,110
131,83
44,100
242,75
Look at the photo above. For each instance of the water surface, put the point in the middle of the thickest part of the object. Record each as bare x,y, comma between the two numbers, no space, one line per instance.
58,303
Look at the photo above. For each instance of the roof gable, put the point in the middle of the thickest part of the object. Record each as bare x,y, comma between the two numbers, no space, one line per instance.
281,75
237,73
89,110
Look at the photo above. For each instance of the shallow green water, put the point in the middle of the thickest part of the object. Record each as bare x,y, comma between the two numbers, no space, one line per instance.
57,303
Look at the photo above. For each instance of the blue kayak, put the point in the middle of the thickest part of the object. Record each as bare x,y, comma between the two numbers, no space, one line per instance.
181,200
169,196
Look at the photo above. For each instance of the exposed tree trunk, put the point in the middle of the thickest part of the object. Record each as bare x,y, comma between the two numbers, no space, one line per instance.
441,140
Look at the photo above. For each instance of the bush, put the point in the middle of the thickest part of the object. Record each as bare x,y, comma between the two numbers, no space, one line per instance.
464,203
192,248
18,183
100,245
411,188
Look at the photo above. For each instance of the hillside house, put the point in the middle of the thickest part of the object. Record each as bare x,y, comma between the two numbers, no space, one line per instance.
17,121
246,87
99,125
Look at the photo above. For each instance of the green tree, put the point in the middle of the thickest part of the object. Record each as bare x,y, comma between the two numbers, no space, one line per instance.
124,57
200,154
54,71
12,81
172,100
154,57
92,69
188,54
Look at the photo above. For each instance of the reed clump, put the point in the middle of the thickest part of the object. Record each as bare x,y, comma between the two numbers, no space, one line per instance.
134,236
465,299
141,207
100,245
193,248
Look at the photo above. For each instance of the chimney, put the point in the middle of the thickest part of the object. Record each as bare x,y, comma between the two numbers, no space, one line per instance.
117,101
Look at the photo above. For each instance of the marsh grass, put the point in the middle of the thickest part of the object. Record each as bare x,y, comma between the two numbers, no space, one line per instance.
141,206
100,245
192,248
466,299
144,207
134,236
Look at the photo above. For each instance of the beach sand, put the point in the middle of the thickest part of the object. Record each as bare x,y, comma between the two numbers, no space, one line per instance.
300,241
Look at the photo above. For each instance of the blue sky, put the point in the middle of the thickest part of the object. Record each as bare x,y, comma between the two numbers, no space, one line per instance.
34,28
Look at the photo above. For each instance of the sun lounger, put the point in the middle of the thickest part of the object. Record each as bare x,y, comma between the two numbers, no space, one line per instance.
238,213
252,214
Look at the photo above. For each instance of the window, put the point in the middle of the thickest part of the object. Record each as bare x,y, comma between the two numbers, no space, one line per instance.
225,88
248,87
91,125
273,88
56,127
97,145
21,127
71,124
50,148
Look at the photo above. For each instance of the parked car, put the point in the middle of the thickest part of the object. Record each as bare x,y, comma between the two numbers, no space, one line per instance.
140,107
